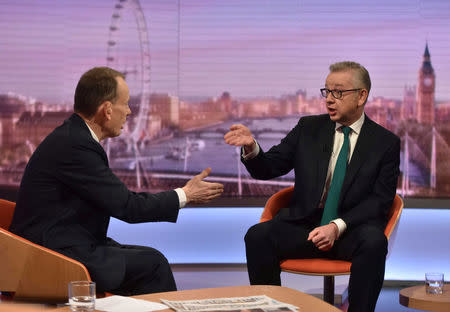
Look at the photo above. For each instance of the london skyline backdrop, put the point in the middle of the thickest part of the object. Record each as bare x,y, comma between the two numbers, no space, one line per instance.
248,48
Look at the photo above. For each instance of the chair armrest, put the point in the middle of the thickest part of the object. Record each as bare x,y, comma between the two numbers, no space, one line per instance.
6,213
35,272
277,201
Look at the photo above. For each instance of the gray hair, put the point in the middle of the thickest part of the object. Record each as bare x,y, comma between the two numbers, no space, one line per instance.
362,75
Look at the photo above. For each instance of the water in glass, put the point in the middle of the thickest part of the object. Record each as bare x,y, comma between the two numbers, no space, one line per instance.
434,283
82,303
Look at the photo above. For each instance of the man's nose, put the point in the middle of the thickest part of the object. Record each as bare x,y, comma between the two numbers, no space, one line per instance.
330,98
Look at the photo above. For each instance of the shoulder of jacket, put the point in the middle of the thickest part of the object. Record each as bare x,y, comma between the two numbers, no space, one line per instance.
382,131
313,121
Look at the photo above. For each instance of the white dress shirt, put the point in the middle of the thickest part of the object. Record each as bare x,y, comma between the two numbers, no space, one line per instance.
337,144
181,194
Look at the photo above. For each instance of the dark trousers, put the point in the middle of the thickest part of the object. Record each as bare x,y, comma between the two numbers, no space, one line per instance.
124,269
147,271
270,242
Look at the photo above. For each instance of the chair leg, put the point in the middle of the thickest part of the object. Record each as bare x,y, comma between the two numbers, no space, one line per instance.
328,289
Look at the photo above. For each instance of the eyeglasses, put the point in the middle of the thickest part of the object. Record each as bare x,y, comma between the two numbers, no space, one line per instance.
337,94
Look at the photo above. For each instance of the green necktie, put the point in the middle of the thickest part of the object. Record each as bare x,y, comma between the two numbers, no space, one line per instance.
331,204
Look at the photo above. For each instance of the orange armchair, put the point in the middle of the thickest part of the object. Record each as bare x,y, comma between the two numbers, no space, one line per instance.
327,268
30,271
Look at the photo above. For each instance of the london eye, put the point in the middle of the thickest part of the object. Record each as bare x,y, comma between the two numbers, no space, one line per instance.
136,128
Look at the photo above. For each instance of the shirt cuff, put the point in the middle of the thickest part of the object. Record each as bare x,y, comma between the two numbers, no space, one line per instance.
181,197
251,154
340,225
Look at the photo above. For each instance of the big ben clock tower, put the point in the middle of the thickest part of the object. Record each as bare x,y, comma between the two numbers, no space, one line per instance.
425,91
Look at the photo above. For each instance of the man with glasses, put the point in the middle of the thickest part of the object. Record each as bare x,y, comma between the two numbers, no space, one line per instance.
346,170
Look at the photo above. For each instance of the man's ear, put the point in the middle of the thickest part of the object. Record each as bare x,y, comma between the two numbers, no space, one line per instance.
105,109
363,97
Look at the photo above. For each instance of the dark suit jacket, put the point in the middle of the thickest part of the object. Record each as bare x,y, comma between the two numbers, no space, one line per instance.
371,178
68,194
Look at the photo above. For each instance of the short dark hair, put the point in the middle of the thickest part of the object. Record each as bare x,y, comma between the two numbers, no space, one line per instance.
361,71
96,86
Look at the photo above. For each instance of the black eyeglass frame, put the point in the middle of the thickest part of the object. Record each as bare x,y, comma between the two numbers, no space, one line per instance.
324,92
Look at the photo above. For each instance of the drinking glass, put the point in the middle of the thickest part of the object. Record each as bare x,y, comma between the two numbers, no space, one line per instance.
434,283
82,296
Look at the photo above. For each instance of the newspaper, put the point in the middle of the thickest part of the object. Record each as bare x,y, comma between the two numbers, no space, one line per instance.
260,303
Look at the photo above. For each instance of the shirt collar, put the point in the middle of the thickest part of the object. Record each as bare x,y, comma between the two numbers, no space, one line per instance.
92,133
356,126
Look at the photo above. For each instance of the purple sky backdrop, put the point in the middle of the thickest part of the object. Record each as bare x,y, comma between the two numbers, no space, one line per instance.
249,48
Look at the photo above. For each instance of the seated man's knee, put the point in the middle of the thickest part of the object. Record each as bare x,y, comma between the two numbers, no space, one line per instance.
148,272
162,261
152,262
257,233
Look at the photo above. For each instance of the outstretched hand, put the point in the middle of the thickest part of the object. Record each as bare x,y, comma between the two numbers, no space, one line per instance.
323,237
198,191
240,135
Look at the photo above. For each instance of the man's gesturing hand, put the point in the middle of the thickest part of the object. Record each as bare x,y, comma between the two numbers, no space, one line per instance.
240,135
324,236
198,191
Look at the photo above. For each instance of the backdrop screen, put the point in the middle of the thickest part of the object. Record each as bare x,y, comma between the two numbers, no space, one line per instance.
195,67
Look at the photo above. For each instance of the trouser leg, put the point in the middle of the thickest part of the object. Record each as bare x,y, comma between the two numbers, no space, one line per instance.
270,242
366,247
147,271
262,261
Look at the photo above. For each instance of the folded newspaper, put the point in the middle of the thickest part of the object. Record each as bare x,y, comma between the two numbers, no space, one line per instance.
236,304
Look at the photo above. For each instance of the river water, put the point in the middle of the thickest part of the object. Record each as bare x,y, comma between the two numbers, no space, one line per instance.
208,149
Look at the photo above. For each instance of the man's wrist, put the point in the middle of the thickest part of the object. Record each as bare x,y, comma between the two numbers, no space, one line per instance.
182,198
336,229
341,226
249,154
250,148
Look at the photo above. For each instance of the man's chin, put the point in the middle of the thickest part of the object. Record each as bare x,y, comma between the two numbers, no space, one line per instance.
334,117
115,134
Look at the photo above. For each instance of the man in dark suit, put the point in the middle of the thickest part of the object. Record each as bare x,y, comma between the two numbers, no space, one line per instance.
346,170
68,194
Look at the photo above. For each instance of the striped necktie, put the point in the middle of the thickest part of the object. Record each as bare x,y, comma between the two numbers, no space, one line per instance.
331,204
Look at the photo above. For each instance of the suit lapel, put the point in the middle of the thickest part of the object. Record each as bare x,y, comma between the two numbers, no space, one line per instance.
359,156
326,146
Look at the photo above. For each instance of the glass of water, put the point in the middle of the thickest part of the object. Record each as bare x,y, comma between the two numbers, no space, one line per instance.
82,296
434,283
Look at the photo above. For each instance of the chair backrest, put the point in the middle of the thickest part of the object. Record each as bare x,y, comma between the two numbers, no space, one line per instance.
394,215
275,202
281,199
6,213
31,271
